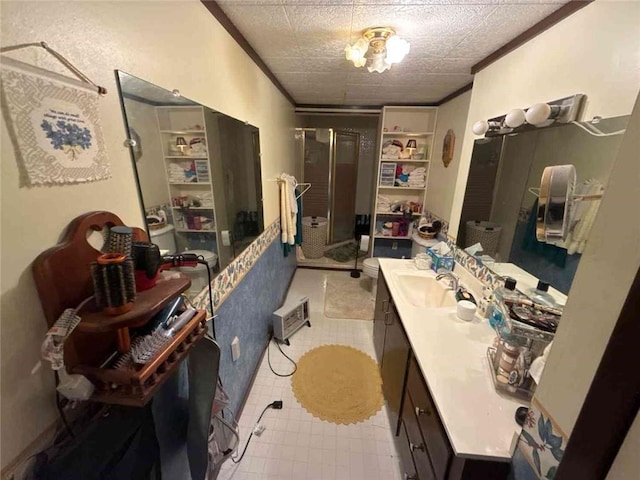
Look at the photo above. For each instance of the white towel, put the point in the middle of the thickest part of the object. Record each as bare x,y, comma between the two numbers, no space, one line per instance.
287,215
291,190
585,216
284,213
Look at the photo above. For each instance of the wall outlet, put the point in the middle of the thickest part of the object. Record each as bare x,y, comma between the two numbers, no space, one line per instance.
235,349
394,246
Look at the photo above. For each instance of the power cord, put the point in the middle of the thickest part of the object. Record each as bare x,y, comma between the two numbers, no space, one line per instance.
202,261
295,365
277,405
60,407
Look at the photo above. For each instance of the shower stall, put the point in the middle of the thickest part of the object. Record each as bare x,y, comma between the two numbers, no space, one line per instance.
328,160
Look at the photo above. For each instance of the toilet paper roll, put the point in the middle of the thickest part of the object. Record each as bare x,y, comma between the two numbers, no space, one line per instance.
364,243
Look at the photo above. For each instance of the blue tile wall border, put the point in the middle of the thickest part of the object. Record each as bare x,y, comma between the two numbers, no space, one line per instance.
245,295
542,444
472,264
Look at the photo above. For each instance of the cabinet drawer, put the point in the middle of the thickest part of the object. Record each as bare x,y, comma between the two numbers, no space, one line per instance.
404,451
417,445
435,437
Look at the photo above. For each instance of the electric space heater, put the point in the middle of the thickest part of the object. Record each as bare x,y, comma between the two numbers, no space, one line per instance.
289,318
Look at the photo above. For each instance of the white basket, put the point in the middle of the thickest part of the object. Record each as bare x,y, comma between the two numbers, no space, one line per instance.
314,236
487,233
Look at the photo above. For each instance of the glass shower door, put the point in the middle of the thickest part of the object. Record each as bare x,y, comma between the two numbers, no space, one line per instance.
316,147
343,186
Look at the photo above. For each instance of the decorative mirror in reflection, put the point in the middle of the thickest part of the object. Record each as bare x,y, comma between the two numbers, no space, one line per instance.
502,200
198,174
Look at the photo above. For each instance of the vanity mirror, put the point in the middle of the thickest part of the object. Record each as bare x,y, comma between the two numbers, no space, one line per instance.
502,201
198,174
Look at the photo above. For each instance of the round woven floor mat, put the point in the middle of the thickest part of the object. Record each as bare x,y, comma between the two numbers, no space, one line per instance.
339,384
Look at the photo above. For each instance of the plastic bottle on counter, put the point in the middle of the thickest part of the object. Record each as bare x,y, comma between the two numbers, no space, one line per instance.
541,295
502,294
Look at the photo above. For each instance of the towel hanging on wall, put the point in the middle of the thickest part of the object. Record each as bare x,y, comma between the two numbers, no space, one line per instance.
54,123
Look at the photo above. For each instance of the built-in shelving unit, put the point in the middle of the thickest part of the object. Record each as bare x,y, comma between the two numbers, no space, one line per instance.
188,171
402,124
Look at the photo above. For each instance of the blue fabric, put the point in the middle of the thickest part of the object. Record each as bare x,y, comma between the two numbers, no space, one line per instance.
556,255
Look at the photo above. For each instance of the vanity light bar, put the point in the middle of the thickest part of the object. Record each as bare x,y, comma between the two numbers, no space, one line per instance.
564,110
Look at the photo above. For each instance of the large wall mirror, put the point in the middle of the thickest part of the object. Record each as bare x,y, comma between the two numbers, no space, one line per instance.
499,209
198,173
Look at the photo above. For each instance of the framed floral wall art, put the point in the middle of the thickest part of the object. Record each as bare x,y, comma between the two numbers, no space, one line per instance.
54,123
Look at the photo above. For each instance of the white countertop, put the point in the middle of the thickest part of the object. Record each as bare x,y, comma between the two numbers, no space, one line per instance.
452,355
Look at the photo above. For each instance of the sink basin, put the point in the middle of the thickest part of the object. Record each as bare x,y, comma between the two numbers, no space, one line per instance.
421,291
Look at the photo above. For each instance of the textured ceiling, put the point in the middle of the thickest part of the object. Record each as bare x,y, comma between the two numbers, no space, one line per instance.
302,42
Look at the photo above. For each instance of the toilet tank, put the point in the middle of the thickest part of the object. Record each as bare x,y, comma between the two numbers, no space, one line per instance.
164,238
420,245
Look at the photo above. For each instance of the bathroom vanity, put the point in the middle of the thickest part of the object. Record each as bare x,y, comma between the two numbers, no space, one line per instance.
449,422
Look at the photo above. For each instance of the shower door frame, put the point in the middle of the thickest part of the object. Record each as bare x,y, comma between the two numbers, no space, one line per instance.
330,178
332,169
334,164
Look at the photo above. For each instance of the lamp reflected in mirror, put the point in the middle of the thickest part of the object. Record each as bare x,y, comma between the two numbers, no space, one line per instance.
181,143
411,146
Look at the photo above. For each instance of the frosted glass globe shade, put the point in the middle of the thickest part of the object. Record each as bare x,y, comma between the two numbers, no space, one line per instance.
538,113
514,118
397,49
480,127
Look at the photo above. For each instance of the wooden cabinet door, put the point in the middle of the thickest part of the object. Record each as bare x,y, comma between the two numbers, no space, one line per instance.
438,447
380,315
394,366
417,444
407,467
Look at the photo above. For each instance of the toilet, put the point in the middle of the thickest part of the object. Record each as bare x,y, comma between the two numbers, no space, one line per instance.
371,266
164,238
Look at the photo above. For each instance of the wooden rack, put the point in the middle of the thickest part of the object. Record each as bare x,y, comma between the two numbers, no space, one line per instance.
63,279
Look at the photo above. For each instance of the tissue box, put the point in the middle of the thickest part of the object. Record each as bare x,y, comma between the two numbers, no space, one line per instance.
440,261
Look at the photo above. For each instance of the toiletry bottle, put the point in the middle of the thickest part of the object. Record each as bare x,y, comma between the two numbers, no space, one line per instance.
484,305
502,294
541,295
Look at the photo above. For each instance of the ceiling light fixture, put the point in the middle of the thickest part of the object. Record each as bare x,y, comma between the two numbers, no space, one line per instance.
564,110
378,48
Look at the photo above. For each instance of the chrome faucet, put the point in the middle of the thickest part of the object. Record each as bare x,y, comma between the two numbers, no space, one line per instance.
451,276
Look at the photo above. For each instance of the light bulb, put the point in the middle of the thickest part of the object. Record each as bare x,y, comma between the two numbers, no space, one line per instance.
514,118
356,52
397,49
538,113
352,53
480,127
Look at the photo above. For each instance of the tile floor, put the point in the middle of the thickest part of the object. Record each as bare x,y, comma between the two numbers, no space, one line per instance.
296,445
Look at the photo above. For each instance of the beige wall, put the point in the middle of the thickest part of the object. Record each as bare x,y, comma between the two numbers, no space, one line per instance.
607,268
442,181
595,51
172,44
